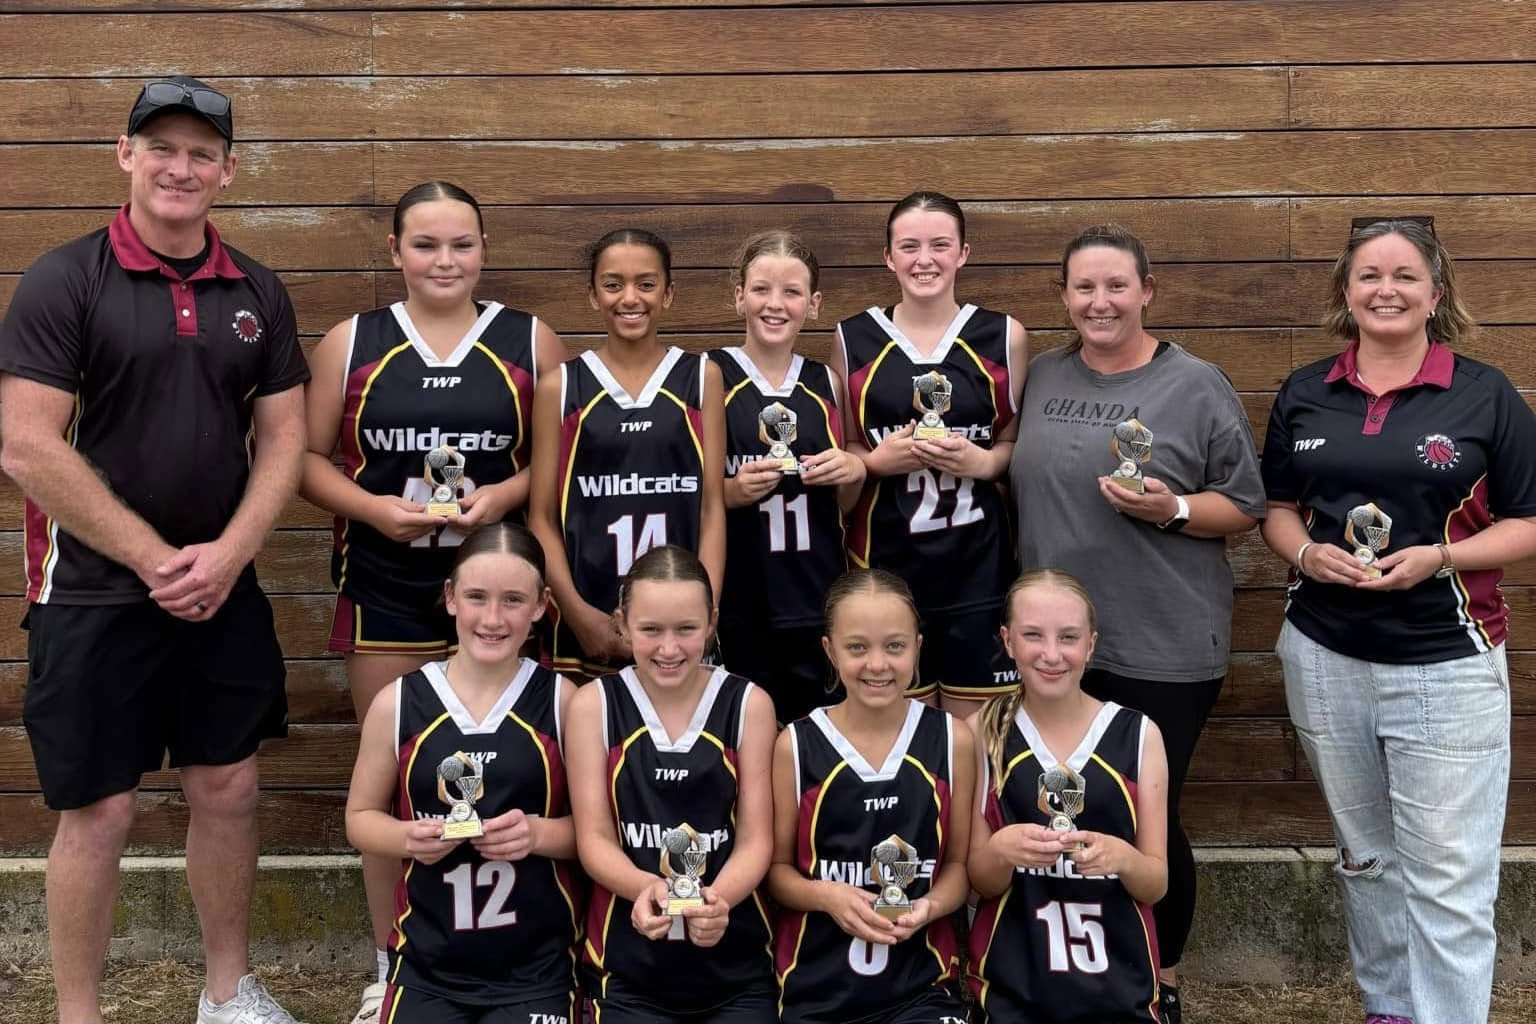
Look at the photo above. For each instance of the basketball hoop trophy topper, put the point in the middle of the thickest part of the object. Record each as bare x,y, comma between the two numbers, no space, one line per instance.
893,865
682,862
931,394
1132,444
777,427
1368,530
448,463
464,774
1061,794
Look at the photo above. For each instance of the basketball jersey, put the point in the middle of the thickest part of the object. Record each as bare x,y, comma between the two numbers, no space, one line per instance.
656,784
631,473
400,401
925,525
1057,945
468,929
784,551
846,806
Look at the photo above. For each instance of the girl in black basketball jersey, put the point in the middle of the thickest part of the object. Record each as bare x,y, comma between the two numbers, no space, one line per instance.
933,393
486,926
1069,837
627,454
671,754
878,774
388,386
784,528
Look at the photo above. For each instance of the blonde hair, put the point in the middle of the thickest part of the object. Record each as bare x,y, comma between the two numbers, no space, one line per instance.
777,242
997,714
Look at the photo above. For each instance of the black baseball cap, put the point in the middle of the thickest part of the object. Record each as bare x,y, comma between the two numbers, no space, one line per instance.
180,92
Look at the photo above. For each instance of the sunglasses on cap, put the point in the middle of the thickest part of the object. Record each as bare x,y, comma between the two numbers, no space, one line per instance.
1359,224
203,100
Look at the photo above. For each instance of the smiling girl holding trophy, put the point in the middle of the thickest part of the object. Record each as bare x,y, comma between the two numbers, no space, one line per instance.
486,907
670,761
1068,842
872,805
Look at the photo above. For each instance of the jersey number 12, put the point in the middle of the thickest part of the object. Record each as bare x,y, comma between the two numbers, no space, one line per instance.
496,875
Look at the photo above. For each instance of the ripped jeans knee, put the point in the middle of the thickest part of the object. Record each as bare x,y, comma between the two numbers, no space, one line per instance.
1369,867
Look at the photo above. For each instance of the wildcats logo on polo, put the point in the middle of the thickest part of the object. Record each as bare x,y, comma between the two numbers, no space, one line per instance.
1438,452
247,327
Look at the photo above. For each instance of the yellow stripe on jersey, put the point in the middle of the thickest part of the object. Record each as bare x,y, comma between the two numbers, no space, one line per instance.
570,463
705,734
693,435
597,960
933,786
981,965
517,402
362,402
738,387
794,961
1464,599
50,524
826,784
825,407
549,786
869,381
410,810
1007,771
961,344
613,777
1119,781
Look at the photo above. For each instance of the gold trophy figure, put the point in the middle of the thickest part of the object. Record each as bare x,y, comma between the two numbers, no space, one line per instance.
778,428
1132,444
1061,797
931,394
447,463
464,774
893,865
1368,530
682,862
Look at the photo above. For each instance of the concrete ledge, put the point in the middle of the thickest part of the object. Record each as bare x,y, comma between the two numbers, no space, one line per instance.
1266,916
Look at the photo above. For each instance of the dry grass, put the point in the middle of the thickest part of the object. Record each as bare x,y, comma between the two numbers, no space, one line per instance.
164,992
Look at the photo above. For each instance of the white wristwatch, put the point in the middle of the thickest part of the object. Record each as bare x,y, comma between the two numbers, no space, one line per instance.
1180,516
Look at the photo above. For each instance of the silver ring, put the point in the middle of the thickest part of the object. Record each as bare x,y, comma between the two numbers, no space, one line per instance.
201,606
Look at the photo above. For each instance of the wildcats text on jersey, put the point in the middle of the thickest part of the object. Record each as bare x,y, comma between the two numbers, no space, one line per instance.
615,485
411,439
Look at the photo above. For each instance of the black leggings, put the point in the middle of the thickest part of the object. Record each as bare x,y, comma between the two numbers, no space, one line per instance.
1180,711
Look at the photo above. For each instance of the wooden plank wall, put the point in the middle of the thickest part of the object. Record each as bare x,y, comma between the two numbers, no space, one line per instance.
1237,137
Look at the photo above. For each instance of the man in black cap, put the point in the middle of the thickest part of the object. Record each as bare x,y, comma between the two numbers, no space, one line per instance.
152,411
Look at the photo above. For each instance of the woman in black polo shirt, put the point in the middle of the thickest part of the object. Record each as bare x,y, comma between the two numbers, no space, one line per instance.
1401,479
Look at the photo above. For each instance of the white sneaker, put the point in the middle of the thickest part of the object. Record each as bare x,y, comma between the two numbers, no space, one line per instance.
373,1000
252,1005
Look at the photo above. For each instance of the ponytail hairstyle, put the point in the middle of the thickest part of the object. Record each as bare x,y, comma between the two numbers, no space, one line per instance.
502,538
924,200
666,564
430,191
866,581
1110,236
997,714
777,242
630,236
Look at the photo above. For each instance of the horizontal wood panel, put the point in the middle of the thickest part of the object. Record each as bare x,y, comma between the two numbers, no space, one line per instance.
845,234
1498,227
1254,565
1511,349
213,43
1058,166
1443,96
295,173
683,106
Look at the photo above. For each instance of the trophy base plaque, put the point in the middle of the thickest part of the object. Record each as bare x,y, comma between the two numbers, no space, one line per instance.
922,433
444,508
677,904
1134,484
891,911
471,829
789,467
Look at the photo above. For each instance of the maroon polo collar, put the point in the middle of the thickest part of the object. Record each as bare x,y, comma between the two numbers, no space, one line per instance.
1438,367
133,254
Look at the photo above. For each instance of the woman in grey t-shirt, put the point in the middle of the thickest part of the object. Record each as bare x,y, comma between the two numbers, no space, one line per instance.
1155,561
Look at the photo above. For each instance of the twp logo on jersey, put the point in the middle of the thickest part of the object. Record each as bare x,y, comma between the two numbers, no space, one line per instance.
974,432
856,872
880,803
613,485
645,834
1007,675
635,427
1309,444
1063,868
671,774
428,383
409,439
548,1018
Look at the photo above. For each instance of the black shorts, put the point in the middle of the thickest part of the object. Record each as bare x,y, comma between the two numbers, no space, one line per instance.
620,1004
963,655
788,663
935,1006
413,1006
112,688
562,652
364,629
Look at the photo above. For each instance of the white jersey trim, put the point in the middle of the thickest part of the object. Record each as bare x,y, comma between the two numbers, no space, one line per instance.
849,753
460,350
756,376
940,351
1078,759
616,391
346,362
653,724
438,677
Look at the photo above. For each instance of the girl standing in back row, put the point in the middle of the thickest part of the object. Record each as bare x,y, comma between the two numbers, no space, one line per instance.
933,390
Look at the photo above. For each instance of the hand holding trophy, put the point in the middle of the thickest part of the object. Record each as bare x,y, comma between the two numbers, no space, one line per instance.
1368,530
893,865
1061,793
682,864
448,463
464,774
778,429
1132,444
931,393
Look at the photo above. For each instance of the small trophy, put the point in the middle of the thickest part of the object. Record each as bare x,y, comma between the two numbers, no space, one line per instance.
680,848
1061,794
930,396
466,776
1368,529
893,865
777,428
1132,445
448,464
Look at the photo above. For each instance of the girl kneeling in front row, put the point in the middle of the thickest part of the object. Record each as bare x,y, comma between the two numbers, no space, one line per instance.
1068,842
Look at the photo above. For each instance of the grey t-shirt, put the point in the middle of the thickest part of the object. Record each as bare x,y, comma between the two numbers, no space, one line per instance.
1164,600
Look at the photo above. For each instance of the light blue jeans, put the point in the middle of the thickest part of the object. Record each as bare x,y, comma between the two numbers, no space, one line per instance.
1414,763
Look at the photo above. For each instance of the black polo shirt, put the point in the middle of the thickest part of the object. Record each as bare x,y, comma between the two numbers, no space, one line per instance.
165,372
1442,455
